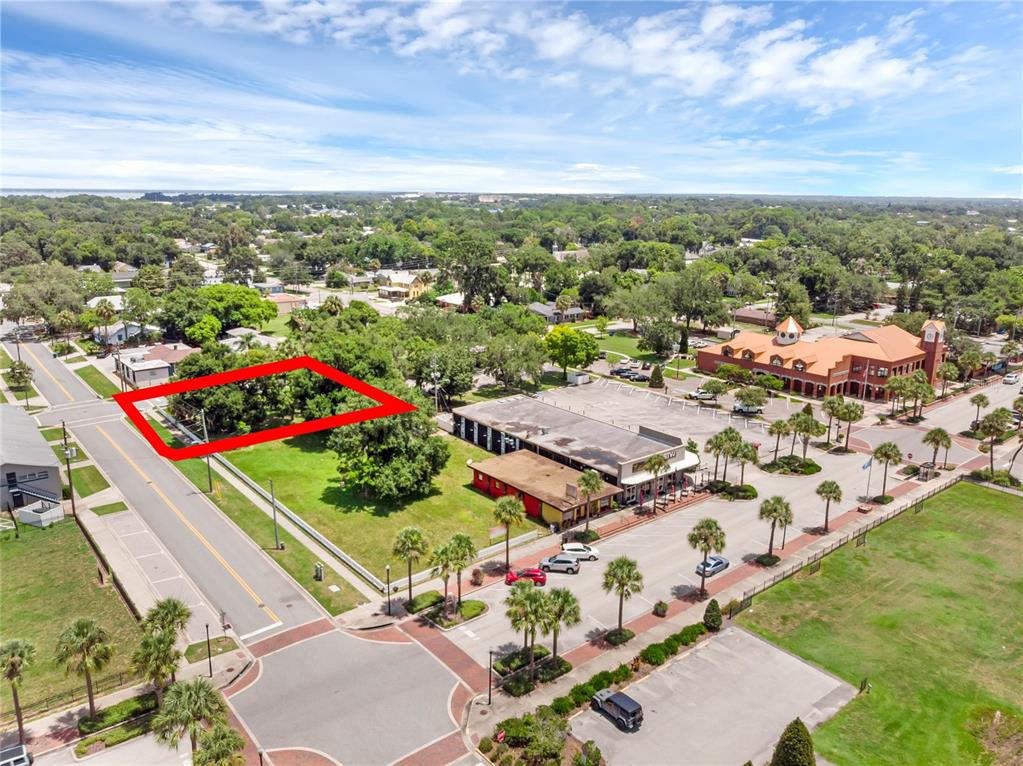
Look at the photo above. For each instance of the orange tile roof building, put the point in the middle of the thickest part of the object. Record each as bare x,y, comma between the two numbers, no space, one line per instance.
857,364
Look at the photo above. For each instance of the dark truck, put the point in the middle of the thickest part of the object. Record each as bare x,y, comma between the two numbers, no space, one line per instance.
620,708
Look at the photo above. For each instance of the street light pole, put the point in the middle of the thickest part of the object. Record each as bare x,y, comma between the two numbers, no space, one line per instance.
209,650
273,504
206,438
67,462
490,676
387,569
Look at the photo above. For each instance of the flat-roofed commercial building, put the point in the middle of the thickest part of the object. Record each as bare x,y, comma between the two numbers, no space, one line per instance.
521,422
547,489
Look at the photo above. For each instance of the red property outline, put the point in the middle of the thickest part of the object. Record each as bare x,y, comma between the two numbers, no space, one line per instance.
387,405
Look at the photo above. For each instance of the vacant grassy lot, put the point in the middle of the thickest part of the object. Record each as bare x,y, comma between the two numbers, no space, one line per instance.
295,559
277,326
548,380
88,480
97,381
930,610
49,580
306,480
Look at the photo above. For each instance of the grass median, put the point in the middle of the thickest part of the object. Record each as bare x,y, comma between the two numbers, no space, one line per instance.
88,480
930,612
97,381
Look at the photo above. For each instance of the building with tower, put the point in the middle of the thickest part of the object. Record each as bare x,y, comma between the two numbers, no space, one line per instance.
857,364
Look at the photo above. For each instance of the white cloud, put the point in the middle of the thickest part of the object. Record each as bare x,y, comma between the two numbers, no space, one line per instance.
1010,170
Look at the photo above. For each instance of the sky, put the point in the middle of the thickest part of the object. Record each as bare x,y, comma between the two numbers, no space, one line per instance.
857,98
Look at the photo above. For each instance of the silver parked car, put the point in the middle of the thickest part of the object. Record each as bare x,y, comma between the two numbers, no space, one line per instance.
581,551
561,562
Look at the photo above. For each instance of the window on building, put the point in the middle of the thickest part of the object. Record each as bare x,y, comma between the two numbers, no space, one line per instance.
497,484
882,372
799,366
776,361
727,351
747,355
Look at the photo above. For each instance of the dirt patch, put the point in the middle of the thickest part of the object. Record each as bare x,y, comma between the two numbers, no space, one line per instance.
1001,736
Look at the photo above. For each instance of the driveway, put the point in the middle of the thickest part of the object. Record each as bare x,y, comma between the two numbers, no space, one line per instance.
725,702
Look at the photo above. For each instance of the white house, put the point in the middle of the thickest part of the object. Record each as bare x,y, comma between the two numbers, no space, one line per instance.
116,334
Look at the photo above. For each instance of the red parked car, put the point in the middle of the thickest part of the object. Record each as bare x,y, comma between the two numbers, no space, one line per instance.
538,576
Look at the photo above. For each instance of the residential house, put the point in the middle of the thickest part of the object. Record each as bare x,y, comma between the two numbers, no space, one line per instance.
553,315
29,469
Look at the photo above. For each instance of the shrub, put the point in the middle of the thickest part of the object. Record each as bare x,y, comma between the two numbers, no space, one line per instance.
767,559
519,659
1001,478
601,680
730,607
518,685
655,654
690,633
563,705
506,760
621,674
712,616
581,694
792,464
477,577
119,713
883,499
89,346
423,601
717,485
516,731
486,745
741,492
115,736
587,537
672,644
661,608
502,748
551,670
589,756
882,419
795,748
617,637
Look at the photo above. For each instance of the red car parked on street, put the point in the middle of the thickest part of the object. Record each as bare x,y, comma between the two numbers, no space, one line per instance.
538,576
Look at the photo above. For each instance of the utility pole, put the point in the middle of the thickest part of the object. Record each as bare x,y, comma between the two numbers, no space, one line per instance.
435,376
67,462
273,504
206,438
209,651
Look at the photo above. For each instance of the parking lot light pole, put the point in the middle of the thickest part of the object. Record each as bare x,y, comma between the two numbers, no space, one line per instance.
209,650
387,569
490,676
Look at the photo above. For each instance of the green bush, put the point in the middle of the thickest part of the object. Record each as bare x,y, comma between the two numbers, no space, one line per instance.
1001,478
506,760
519,659
742,492
661,608
563,705
590,755
617,637
581,694
792,464
486,745
767,559
587,537
601,680
795,748
712,615
671,645
516,731
115,736
89,346
621,674
423,601
518,685
119,713
655,654
690,633
718,485
551,670
882,499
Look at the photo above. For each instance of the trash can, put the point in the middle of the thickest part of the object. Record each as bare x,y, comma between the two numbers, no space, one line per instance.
318,572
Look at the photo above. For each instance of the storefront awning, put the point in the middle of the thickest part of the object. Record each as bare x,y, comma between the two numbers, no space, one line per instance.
691,460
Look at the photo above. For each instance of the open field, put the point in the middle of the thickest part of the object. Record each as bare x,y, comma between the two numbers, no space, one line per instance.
49,580
306,480
97,381
930,611
295,559
88,480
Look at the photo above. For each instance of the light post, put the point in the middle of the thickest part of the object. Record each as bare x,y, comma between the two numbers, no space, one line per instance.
273,504
490,676
387,569
206,438
67,462
209,650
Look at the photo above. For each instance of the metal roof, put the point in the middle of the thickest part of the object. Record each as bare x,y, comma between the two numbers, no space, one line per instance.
20,440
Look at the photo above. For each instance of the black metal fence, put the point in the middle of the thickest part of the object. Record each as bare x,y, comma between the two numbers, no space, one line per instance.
35,708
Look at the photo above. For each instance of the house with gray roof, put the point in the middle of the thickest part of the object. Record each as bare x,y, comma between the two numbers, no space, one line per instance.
29,469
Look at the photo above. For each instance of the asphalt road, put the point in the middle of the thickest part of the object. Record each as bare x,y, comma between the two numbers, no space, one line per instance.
233,574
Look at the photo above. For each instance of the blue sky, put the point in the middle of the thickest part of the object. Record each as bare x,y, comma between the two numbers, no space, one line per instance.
854,98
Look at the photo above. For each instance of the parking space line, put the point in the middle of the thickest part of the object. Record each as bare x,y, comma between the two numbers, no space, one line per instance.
166,579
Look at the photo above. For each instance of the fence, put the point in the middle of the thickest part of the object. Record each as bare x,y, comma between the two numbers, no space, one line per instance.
35,708
314,533
859,535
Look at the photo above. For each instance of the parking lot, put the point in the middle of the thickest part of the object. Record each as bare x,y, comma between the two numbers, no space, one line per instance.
725,702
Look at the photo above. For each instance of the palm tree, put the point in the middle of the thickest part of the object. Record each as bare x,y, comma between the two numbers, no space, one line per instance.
937,438
969,362
105,312
526,611
168,614
831,407
730,441
156,660
745,453
1017,405
220,746
333,305
589,484
829,491
850,413
190,707
656,465
896,388
987,359
15,656
508,511
84,648
1010,350
623,578
887,453
65,322
562,611
777,511
778,429
806,426
705,537
463,553
443,562
991,427
946,371
979,401
515,607
715,446
409,545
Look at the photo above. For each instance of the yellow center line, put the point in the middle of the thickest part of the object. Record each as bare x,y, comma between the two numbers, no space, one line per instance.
50,374
216,554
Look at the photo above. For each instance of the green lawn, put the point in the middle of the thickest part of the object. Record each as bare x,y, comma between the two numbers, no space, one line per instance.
97,381
74,360
88,480
58,450
626,345
115,507
19,391
52,434
930,610
306,479
295,559
3,398
548,380
49,580
218,645
5,359
277,326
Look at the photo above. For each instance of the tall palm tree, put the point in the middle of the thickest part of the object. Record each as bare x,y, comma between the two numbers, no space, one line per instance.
946,371
515,608
937,438
806,426
993,425
189,707
656,465
1017,405
527,608
730,441
705,537
622,577
828,491
969,362
442,560
409,545
745,453
84,648
15,656
887,453
777,511
562,611
156,659
896,388
831,407
168,614
333,305
979,401
850,413
778,429
508,511
65,322
716,446
220,746
463,553
106,312
589,484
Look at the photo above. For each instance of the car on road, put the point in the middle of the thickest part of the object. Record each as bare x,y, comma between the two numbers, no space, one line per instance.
715,564
646,365
701,395
538,576
620,371
619,707
602,355
1011,379
747,409
581,551
560,562
640,377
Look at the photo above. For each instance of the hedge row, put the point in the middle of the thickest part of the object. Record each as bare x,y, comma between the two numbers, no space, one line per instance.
518,660
123,711
519,684
657,654
423,601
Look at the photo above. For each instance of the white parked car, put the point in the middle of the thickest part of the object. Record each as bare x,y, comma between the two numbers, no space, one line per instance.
1011,379
581,551
698,343
701,395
